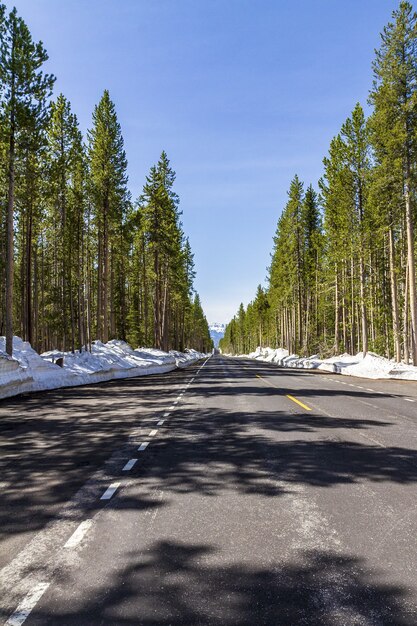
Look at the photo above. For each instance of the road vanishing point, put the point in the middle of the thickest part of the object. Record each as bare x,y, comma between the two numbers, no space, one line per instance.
231,492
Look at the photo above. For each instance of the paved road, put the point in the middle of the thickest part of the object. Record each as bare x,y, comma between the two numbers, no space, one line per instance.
266,496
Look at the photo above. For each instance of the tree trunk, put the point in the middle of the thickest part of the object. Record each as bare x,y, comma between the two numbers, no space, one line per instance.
411,270
106,276
394,296
9,232
99,332
29,320
336,312
364,321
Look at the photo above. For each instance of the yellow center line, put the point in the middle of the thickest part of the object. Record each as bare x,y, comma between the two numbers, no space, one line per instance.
304,406
307,408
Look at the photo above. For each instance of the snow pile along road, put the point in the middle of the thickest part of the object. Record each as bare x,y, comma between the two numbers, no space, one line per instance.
370,366
29,371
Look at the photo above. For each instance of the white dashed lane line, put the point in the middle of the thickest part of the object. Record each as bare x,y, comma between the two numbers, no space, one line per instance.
26,606
131,463
110,491
409,400
31,599
78,535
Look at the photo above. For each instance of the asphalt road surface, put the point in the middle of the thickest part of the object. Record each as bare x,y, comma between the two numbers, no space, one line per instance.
230,493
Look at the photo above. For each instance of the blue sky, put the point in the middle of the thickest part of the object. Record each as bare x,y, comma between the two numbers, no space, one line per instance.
242,94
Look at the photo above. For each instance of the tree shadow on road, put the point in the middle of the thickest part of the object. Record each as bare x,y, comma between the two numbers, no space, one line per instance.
180,584
209,452
206,450
52,442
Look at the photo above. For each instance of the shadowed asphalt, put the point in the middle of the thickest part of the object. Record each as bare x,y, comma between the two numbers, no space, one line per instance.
245,508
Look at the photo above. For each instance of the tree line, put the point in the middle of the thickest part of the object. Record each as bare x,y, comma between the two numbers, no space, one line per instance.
342,276
79,259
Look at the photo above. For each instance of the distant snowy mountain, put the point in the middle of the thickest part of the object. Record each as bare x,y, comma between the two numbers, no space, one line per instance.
217,332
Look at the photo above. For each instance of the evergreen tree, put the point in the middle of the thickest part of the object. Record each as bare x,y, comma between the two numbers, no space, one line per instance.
394,97
65,231
110,202
163,240
25,89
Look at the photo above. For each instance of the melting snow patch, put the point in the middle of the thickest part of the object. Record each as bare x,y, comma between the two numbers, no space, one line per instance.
29,371
370,366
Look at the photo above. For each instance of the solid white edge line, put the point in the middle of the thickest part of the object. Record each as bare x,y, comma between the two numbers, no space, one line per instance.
27,605
110,491
143,446
78,534
129,465
153,432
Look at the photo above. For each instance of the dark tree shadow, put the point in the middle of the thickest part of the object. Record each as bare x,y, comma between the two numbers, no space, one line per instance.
174,584
51,443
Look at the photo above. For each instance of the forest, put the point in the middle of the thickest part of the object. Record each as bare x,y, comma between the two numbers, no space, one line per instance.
79,258
342,276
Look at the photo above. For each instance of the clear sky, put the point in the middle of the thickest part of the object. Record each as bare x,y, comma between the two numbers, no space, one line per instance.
242,94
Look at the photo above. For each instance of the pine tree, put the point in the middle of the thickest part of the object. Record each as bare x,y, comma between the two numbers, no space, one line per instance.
65,232
163,240
394,97
355,137
25,91
313,246
110,201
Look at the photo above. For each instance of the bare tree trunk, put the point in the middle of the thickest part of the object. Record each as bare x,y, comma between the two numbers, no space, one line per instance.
99,288
394,296
405,320
157,298
29,314
336,312
352,305
106,277
145,292
411,269
72,314
307,325
23,248
9,233
344,325
112,297
80,286
364,320
164,316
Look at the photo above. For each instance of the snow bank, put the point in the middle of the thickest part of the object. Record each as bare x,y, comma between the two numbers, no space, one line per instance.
29,371
370,366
